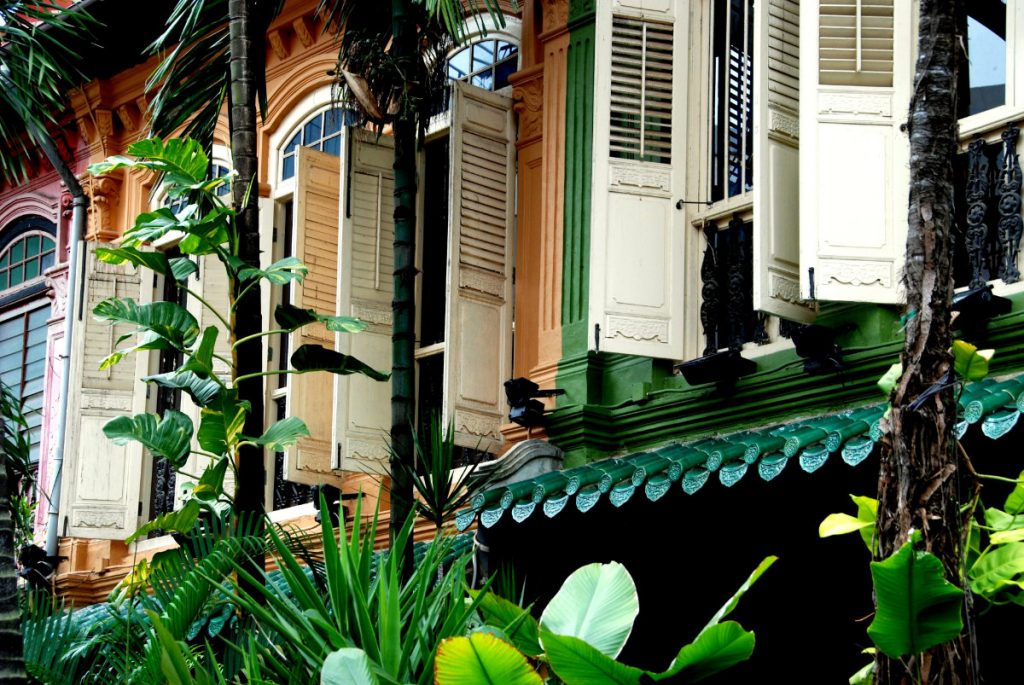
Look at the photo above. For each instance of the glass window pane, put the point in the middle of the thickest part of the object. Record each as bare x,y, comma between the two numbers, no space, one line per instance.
3,280
287,168
505,49
31,269
18,251
483,55
332,121
986,51
31,246
48,260
5,261
458,65
311,131
484,80
293,143
17,275
502,72
332,146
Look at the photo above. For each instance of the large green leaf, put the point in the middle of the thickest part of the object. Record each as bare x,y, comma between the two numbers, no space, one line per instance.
147,341
168,320
290,318
997,569
731,603
863,522
211,484
201,390
598,604
347,666
318,358
717,648
151,226
890,378
482,659
200,362
177,521
1000,520
182,161
168,438
154,260
1015,500
516,622
917,608
579,663
220,423
970,362
280,272
283,434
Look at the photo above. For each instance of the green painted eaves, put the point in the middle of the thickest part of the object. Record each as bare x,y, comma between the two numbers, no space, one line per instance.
849,435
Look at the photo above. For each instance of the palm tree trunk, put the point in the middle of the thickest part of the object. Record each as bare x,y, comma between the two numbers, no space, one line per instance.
247,320
919,478
403,378
12,666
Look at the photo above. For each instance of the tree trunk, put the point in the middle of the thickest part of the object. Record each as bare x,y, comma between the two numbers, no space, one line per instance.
248,319
920,482
403,339
12,661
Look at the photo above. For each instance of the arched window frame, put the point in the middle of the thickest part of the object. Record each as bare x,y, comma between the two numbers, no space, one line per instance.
294,130
15,233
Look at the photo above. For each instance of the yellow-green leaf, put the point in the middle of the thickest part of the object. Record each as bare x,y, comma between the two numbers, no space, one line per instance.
841,524
482,659
970,362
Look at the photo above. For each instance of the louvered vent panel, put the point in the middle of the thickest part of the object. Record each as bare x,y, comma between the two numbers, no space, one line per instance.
641,91
856,43
784,54
373,231
485,201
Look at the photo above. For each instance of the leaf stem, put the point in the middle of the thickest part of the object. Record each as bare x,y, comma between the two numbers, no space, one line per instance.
209,306
261,334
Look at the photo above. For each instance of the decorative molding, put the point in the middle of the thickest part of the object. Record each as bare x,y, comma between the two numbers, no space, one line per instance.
856,272
528,96
106,400
356,448
783,123
630,178
277,44
97,518
478,425
782,287
556,14
309,455
848,103
977,192
57,284
371,313
39,204
304,31
105,195
130,116
635,329
491,284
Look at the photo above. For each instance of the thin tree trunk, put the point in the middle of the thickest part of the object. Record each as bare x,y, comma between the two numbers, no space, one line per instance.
920,482
403,372
12,660
248,319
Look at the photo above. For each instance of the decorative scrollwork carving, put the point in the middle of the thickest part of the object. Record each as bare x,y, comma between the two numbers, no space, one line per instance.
739,289
1008,188
977,194
710,289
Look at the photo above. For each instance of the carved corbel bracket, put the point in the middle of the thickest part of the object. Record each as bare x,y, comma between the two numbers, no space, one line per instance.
105,197
528,96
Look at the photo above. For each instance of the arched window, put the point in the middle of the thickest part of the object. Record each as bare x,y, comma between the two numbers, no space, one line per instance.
27,248
322,131
485,64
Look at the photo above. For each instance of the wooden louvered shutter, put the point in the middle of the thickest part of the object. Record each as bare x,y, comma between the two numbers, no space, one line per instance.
310,396
100,496
777,161
637,235
853,157
363,417
478,324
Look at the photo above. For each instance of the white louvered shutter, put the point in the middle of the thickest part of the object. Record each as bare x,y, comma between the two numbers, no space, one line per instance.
478,323
637,234
777,161
366,285
101,491
310,396
854,160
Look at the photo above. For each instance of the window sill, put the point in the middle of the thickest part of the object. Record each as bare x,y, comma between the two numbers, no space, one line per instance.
988,123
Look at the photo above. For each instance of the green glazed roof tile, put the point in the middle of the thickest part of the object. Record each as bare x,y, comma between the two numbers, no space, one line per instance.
995,404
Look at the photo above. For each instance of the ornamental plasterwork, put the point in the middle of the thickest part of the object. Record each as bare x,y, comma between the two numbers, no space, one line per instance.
491,284
556,14
786,289
786,124
372,313
644,330
857,272
475,424
631,178
529,98
847,103
94,518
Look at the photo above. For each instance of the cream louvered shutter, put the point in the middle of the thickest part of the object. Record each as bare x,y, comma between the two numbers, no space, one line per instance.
777,161
101,491
854,160
637,234
363,412
311,396
478,324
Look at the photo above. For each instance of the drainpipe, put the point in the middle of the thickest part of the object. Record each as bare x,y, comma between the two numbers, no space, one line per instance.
78,208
